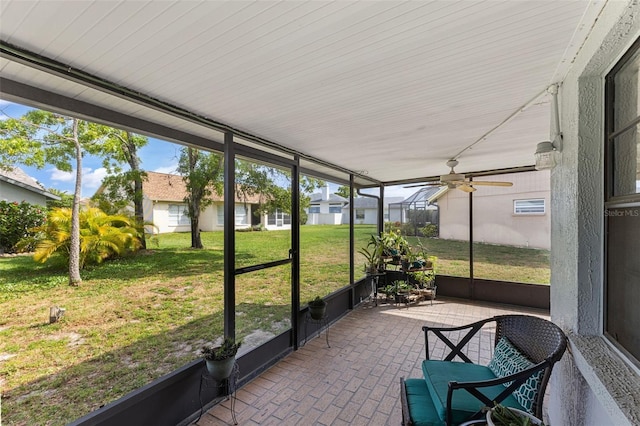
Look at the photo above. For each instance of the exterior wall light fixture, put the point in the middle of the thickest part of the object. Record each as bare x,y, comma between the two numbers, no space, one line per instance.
547,151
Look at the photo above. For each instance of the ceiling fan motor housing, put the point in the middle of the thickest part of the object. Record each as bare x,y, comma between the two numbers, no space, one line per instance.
452,177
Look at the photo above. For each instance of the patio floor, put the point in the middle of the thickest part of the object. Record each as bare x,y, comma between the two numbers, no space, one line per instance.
356,380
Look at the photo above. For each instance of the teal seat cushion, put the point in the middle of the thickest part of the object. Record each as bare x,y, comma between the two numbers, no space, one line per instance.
437,376
421,408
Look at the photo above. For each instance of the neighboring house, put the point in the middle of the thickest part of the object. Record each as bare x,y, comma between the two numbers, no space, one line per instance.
518,215
163,204
325,208
16,185
366,210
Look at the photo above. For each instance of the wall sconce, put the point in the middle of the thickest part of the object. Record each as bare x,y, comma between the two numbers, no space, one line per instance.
547,151
546,155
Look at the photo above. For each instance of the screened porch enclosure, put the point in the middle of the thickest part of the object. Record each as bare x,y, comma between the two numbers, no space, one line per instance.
369,96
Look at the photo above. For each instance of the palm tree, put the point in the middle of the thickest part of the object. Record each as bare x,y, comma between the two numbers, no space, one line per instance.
102,236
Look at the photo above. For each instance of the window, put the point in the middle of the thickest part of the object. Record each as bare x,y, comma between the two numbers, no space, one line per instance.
535,206
220,214
178,215
335,208
622,205
241,214
279,218
314,208
359,214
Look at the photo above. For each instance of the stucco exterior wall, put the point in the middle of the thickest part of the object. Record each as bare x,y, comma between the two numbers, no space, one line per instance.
9,192
494,220
593,384
208,218
161,219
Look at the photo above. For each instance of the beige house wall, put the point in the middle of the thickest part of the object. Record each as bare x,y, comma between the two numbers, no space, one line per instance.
208,218
11,193
494,220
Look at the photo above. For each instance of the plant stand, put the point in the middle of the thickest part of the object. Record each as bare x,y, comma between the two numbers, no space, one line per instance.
227,385
322,322
375,280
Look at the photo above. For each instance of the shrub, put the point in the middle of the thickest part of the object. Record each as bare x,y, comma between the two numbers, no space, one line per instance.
102,236
17,223
430,230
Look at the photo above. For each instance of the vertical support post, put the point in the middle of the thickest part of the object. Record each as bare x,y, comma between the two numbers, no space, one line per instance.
472,290
229,237
351,242
295,250
381,211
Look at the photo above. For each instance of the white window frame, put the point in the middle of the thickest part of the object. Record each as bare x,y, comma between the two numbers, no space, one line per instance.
360,214
518,210
180,217
335,208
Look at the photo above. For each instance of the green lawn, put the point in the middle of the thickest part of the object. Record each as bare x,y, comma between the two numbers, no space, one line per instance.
136,319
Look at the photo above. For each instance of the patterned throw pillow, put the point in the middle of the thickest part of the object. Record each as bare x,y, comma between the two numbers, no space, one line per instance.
508,360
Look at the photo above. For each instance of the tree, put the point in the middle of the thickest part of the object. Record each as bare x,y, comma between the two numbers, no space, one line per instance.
102,237
122,147
66,199
202,173
343,191
41,137
273,187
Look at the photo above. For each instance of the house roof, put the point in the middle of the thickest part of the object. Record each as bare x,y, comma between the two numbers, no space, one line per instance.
333,198
16,176
372,203
169,187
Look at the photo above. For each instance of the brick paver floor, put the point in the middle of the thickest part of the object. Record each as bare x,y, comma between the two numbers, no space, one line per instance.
357,380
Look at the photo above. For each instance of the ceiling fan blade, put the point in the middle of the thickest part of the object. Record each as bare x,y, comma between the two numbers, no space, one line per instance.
466,188
489,183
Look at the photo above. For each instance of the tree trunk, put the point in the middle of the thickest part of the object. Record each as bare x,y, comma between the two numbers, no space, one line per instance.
194,203
132,158
194,213
74,245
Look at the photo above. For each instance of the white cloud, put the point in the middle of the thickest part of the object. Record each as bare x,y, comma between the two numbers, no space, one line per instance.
91,179
60,176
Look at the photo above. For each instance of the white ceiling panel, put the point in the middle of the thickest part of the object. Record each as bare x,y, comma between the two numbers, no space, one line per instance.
393,88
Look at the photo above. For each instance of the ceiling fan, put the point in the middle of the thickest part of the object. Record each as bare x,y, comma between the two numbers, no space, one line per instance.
458,180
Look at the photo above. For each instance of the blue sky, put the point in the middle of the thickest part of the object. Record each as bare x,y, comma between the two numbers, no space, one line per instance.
157,156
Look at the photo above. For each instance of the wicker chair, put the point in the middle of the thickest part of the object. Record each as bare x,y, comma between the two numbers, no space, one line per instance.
454,392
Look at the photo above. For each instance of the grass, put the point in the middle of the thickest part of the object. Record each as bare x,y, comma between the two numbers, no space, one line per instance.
138,318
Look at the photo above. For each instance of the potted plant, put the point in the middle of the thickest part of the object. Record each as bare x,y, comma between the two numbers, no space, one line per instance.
394,245
508,416
373,255
317,308
221,359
